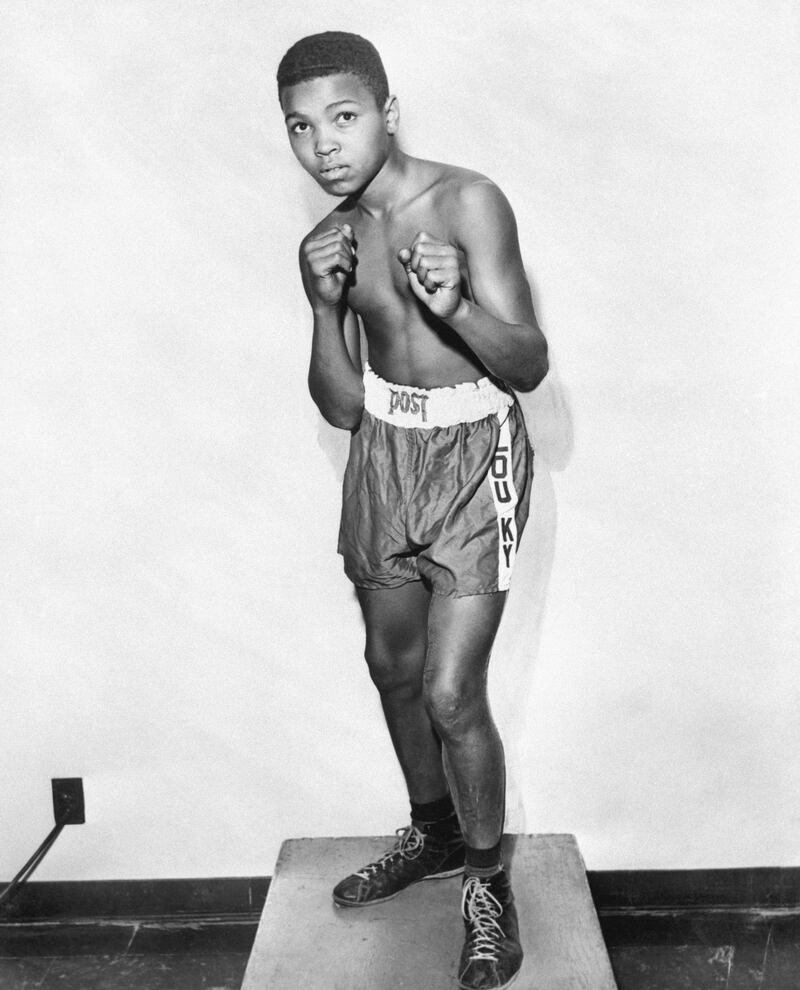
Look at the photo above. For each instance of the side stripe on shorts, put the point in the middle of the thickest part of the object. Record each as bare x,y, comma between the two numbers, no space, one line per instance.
501,481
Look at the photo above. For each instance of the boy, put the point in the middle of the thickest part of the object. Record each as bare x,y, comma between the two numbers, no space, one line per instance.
438,480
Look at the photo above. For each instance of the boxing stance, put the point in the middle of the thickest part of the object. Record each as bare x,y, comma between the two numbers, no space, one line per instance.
425,258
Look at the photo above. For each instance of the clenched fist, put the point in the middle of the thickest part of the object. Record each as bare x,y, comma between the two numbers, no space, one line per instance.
434,274
330,258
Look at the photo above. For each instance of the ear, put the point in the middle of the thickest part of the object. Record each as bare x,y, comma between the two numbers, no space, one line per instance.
391,112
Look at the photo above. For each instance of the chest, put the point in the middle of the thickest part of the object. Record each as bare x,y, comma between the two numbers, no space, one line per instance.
380,286
378,272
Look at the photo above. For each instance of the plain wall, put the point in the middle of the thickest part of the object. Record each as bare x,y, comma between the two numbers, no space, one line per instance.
176,628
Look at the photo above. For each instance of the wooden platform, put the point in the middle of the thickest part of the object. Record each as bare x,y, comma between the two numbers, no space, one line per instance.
413,941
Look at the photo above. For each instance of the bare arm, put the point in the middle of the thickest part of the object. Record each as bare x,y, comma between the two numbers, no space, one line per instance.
334,374
498,324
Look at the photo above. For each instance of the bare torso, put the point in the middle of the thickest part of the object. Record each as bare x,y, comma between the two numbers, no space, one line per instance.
407,343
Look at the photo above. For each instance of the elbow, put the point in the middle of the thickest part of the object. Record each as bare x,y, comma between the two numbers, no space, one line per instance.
542,367
343,420
533,373
342,417
343,412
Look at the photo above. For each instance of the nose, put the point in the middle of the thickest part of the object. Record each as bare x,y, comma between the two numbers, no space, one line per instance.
325,144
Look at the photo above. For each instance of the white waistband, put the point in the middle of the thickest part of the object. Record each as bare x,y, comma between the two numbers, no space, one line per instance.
406,405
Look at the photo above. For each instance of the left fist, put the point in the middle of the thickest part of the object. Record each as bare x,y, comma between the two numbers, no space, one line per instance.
434,274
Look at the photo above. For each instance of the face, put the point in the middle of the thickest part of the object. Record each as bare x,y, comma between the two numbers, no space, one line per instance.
337,131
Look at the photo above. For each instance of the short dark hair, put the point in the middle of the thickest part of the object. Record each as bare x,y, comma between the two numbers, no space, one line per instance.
332,52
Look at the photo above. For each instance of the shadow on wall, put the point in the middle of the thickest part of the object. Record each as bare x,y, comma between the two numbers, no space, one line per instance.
516,649
548,417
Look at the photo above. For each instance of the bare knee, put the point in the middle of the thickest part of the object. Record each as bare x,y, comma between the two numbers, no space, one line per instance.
454,707
394,671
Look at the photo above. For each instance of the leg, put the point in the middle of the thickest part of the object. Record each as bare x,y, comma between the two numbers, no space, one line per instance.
460,636
397,630
397,624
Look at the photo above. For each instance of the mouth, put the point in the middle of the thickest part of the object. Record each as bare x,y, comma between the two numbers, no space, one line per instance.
333,171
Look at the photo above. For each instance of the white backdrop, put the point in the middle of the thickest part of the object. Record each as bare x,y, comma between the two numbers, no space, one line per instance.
176,628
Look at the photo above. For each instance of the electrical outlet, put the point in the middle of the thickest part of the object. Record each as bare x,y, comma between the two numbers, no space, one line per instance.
68,800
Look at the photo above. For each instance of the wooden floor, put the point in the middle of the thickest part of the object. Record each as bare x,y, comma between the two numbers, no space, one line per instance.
414,940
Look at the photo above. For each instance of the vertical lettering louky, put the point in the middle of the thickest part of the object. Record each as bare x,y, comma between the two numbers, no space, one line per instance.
501,481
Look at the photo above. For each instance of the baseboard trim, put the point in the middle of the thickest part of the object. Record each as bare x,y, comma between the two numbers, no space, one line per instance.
242,898
213,897
746,888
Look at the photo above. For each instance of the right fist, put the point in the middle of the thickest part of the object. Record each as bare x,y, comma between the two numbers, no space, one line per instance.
330,258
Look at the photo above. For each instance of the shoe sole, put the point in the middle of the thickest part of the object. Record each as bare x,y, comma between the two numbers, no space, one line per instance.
382,900
466,986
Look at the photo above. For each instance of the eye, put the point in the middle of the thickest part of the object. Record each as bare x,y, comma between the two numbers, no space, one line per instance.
299,127
346,116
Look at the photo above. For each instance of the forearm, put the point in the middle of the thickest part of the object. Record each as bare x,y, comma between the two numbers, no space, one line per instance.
335,383
514,352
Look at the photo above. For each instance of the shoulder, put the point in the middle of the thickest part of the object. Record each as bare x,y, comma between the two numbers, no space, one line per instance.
478,198
459,184
470,198
477,206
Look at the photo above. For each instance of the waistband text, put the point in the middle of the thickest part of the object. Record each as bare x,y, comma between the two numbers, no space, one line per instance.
408,402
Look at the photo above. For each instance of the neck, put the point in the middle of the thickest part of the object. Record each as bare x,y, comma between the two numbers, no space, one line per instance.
389,187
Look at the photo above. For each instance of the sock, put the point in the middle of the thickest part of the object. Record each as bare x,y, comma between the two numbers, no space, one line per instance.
436,817
484,862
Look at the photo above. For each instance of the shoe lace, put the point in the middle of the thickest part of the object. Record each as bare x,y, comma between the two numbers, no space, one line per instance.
481,909
409,845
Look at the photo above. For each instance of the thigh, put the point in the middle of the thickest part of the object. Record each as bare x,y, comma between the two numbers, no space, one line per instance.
396,621
461,632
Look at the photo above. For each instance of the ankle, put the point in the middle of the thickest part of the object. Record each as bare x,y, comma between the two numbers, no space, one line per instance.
485,873
444,830
430,812
484,862
436,818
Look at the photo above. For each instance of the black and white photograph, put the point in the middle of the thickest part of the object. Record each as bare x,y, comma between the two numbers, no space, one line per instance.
399,470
